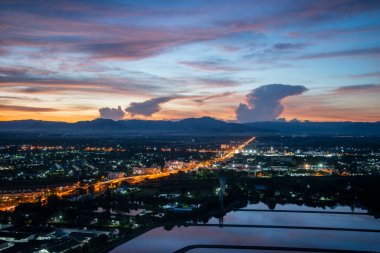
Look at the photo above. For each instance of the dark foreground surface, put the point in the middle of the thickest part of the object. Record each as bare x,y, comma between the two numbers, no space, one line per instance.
304,229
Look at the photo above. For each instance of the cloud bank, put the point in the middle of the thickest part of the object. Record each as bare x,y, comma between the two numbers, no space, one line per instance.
364,88
264,102
111,113
201,100
26,108
148,107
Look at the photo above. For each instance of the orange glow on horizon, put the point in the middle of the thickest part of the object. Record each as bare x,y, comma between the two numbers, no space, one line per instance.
288,116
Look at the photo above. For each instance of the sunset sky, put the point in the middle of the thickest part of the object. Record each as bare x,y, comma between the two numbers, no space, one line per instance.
232,60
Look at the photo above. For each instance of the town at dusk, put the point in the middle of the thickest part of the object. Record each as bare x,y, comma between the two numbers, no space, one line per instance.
189,126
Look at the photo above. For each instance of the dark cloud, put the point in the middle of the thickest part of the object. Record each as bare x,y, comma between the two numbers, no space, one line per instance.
19,98
264,102
305,13
201,100
84,26
77,34
111,113
330,33
366,75
26,108
148,107
359,88
31,80
208,65
217,82
355,52
152,106
39,89
127,50
289,46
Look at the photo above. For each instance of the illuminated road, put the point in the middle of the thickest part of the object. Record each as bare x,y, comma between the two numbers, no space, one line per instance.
204,164
10,201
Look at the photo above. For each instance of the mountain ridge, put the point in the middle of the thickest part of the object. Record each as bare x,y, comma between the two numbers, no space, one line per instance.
188,126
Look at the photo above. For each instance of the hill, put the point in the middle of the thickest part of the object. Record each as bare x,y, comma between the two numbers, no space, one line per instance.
191,126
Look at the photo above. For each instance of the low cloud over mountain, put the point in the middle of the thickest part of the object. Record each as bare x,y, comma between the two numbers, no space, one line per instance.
111,113
148,107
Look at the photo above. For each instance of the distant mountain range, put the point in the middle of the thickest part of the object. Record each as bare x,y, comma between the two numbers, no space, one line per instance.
190,126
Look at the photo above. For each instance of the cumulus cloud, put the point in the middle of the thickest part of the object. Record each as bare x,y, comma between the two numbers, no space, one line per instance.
148,107
111,113
264,102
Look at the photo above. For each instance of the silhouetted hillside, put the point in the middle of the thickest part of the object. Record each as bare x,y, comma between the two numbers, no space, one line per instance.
190,126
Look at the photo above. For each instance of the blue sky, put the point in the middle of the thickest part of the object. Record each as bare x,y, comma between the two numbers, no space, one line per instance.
65,60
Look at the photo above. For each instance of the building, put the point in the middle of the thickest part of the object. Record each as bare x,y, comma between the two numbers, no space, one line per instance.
279,168
177,164
145,171
224,146
5,245
16,237
174,165
115,175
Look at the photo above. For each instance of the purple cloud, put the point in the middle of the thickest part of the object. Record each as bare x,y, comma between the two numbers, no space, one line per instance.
217,82
201,100
353,52
289,46
366,75
207,65
372,88
31,80
26,108
111,113
148,107
264,102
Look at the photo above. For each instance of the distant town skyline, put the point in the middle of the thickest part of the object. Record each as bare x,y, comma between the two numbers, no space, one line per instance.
240,61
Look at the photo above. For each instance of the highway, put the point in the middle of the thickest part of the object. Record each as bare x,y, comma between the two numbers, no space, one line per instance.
9,201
